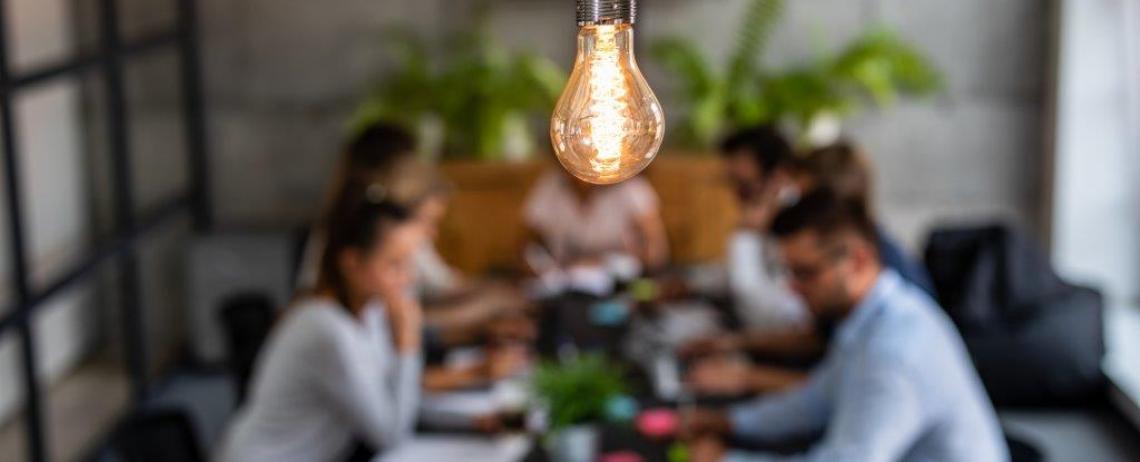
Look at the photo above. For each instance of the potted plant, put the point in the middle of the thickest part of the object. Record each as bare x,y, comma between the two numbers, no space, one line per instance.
713,99
576,394
809,99
468,96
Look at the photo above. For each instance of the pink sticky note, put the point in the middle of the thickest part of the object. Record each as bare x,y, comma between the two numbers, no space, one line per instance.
621,456
658,423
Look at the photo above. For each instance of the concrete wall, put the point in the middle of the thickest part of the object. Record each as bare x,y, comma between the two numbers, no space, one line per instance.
282,76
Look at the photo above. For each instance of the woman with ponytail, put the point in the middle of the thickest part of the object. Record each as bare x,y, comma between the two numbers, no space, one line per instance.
344,363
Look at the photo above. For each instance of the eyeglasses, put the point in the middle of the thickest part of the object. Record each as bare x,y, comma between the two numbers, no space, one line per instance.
807,273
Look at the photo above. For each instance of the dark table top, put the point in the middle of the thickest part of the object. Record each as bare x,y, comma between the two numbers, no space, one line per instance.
566,320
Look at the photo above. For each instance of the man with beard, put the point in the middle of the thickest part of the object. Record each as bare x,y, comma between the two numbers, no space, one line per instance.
896,382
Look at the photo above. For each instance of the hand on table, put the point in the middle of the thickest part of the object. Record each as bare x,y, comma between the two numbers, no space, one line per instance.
488,424
701,422
672,288
714,344
505,299
706,449
506,361
511,329
720,376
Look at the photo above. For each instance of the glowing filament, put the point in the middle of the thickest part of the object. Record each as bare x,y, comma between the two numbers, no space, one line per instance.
607,102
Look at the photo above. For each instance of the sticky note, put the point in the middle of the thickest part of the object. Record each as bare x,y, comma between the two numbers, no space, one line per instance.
621,408
643,290
658,423
609,313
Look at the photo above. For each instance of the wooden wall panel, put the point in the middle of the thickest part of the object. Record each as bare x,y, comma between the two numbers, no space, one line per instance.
483,226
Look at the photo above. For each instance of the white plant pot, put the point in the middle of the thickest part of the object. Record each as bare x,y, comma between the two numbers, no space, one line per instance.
430,132
824,129
574,444
517,138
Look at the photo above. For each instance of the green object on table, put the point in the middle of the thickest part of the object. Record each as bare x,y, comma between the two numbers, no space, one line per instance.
678,452
643,290
577,391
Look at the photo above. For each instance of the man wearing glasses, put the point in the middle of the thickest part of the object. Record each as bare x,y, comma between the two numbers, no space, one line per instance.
896,382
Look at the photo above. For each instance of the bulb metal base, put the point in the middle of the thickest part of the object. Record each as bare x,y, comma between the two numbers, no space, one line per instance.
606,11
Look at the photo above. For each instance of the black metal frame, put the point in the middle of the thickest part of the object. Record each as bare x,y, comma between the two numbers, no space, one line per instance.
121,247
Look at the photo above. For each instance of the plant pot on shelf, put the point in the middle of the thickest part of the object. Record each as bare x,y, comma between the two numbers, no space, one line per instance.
518,143
577,443
430,135
821,129
825,128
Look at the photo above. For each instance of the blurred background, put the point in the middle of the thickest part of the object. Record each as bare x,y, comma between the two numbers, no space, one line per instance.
161,156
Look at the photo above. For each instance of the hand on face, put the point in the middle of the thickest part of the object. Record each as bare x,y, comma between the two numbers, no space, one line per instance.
760,206
391,275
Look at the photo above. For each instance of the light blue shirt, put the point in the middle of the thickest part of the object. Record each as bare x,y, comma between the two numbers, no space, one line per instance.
896,384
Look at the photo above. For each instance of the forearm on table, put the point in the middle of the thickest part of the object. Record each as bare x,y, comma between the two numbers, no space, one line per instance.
461,324
797,341
407,392
796,411
654,251
456,334
764,379
448,378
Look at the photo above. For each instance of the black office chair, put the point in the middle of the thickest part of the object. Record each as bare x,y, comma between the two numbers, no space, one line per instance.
150,435
1022,451
247,319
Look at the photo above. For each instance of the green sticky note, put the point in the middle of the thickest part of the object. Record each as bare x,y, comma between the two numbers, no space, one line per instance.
643,290
678,452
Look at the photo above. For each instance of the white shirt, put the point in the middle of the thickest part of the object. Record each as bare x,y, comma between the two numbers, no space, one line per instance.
897,385
434,277
310,263
323,379
760,291
606,224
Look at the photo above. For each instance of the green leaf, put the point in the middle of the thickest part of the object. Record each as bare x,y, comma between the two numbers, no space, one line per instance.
687,64
475,86
755,29
884,67
578,390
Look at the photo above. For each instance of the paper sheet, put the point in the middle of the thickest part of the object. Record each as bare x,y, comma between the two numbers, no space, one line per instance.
434,448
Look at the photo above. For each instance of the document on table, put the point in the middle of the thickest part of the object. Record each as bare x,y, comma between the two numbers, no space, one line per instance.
434,448
455,410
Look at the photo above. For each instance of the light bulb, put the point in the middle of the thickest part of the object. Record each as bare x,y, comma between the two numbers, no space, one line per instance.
608,124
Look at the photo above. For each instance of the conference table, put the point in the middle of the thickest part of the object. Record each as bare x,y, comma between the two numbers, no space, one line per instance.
569,321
